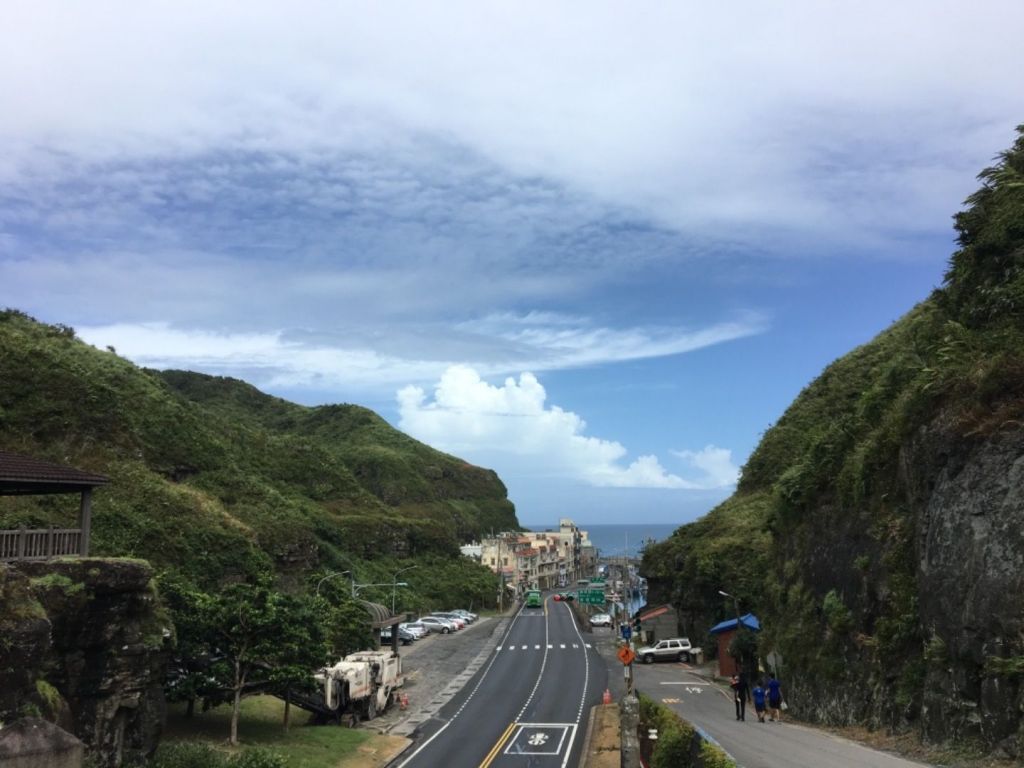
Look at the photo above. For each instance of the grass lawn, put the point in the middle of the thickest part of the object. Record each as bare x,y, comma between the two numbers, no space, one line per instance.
261,723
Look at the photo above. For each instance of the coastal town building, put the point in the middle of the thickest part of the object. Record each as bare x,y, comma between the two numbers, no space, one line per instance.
537,559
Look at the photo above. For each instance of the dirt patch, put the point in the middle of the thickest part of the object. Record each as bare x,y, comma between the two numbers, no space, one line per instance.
604,742
376,752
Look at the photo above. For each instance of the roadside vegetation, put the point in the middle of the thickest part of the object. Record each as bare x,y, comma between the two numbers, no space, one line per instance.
819,539
197,740
677,744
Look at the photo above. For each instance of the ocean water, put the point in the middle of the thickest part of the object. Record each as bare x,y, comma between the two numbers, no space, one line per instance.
619,540
627,539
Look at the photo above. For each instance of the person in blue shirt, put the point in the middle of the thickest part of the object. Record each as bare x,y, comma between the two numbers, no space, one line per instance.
759,700
775,698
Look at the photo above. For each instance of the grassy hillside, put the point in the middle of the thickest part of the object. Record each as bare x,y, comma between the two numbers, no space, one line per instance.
219,480
828,536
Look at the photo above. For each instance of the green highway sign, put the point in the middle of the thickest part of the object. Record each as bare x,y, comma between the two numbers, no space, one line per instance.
591,596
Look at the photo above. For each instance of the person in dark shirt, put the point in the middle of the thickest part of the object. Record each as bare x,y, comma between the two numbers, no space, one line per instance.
775,698
741,693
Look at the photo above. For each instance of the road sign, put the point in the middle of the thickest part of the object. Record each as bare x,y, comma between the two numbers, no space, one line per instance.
626,654
591,596
627,633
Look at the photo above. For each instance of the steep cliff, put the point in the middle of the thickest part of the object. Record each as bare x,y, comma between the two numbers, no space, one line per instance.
85,645
877,527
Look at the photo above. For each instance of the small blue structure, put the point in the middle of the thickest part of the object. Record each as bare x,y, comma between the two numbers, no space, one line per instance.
749,621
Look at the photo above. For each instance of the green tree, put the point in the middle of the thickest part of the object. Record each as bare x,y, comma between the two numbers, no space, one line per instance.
260,637
188,676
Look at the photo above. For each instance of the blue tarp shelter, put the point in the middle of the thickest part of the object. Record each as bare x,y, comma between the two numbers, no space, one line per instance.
749,621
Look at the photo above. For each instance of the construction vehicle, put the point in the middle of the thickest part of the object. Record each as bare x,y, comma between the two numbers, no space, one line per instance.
361,685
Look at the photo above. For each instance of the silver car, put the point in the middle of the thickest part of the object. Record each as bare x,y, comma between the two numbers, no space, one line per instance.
673,649
415,628
600,620
458,621
437,624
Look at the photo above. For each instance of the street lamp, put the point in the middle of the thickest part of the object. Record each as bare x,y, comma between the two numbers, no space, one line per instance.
736,605
394,584
357,587
331,576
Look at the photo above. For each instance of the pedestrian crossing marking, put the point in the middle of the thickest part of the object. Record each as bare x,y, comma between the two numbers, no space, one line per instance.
539,647
670,701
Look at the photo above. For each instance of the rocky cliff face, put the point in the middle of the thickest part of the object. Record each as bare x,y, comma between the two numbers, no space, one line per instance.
968,501
85,645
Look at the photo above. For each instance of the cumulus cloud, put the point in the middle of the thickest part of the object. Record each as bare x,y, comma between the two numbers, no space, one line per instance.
714,466
513,426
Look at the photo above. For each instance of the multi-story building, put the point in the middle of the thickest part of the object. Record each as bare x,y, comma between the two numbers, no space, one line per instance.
539,559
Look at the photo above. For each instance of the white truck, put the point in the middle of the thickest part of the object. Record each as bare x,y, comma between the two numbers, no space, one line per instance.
361,684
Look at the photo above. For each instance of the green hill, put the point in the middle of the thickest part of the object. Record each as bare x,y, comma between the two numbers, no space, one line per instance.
878,528
216,479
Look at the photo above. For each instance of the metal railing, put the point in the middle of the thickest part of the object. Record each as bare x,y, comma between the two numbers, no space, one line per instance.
39,543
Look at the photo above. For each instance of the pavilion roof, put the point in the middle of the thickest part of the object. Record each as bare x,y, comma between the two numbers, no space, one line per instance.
25,475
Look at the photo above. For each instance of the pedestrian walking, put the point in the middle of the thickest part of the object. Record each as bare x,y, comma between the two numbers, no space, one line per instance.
760,697
775,698
741,693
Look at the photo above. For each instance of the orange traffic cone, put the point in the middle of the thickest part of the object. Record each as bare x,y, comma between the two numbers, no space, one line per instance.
607,698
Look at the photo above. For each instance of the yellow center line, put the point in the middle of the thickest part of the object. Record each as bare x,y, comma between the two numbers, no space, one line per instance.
497,747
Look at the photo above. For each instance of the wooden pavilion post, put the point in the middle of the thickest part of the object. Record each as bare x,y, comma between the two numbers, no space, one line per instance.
85,521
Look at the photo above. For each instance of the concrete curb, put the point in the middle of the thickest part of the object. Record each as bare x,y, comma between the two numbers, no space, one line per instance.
588,738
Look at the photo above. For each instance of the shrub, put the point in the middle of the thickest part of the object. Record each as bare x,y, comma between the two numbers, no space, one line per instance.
182,754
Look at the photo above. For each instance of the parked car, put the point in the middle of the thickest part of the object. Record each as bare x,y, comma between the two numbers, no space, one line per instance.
404,636
672,649
600,620
437,624
467,615
458,621
415,628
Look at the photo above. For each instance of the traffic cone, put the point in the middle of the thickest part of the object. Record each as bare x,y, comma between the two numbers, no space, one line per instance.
607,698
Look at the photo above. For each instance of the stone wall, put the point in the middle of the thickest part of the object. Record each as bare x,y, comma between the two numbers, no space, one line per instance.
86,648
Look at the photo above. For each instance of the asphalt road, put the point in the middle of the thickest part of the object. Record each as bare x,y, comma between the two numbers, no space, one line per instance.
753,744
527,703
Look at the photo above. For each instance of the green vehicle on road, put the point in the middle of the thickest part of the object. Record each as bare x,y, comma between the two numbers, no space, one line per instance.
534,599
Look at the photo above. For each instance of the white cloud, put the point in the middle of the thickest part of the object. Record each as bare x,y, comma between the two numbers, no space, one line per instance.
360,359
714,465
774,117
514,428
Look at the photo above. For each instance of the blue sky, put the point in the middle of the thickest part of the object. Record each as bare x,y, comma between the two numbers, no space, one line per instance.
596,248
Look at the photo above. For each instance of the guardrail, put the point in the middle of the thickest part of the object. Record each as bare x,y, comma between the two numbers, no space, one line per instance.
39,543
